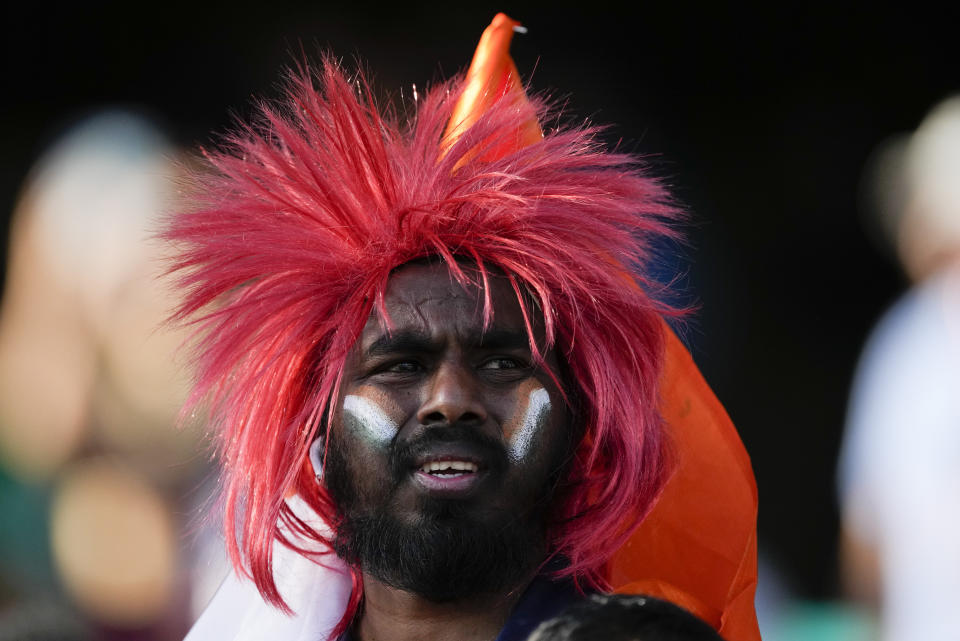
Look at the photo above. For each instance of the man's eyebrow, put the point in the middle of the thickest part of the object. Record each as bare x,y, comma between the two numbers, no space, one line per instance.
405,341
416,341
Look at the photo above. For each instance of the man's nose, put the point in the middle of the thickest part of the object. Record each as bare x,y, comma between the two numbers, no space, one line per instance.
452,397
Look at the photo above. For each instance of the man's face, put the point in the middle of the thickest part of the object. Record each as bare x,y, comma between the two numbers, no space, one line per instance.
447,440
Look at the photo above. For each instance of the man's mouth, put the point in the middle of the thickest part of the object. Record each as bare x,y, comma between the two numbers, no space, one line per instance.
447,476
453,463
449,468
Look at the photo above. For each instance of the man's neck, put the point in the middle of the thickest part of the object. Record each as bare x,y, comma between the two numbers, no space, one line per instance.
391,614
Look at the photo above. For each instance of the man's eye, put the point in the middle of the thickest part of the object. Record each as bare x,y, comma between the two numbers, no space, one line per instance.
502,363
403,367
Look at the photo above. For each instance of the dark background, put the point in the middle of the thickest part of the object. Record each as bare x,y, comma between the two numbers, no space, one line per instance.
761,118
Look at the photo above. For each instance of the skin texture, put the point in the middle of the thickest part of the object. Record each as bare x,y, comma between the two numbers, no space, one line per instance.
436,371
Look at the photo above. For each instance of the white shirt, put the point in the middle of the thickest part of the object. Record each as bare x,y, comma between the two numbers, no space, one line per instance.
900,462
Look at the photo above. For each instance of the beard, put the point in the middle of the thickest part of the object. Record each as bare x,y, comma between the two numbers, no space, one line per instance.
450,549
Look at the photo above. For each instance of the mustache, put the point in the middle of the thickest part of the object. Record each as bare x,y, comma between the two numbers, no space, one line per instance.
491,451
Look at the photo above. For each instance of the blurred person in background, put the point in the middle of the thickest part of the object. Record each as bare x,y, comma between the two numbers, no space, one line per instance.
899,474
94,477
618,617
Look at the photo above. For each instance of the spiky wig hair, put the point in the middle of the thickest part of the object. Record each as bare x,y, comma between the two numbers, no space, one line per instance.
298,222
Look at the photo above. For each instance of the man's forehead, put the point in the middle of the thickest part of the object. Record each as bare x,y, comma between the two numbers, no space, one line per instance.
418,285
427,299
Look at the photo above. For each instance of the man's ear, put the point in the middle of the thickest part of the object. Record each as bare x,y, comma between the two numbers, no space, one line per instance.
317,449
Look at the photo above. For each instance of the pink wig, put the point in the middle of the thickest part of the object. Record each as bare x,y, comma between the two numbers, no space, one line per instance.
297,226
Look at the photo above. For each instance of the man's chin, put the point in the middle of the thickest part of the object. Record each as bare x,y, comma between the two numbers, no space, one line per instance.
444,557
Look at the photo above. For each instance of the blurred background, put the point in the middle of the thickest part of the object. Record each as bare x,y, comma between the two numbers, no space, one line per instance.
793,135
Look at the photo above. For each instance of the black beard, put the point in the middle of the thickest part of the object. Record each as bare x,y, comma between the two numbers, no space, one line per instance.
442,561
448,553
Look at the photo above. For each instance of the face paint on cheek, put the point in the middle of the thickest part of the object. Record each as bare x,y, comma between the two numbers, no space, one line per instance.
538,409
367,419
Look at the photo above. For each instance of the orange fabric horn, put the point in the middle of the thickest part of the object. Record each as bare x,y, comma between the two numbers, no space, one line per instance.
491,76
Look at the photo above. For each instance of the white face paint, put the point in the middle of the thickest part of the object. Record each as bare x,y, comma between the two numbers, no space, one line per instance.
538,407
369,420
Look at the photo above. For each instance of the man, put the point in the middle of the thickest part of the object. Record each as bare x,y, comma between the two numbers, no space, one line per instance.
434,370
